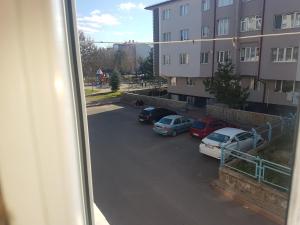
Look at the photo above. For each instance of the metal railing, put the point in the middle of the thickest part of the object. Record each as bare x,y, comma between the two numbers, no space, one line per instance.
259,169
272,130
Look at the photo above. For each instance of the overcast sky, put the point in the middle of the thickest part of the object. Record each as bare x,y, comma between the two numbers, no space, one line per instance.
115,20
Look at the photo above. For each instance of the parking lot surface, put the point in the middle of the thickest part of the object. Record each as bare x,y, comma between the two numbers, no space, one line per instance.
141,178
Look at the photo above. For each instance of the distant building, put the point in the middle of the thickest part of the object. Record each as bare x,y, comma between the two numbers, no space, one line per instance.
134,51
268,65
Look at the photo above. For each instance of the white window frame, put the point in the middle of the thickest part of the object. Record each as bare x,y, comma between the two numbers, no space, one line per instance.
184,10
284,57
183,58
222,3
205,5
252,56
288,20
204,31
166,59
222,55
223,26
173,81
250,23
166,14
184,34
204,57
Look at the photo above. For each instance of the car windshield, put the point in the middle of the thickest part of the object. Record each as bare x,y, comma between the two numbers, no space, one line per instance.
166,121
198,125
146,112
218,137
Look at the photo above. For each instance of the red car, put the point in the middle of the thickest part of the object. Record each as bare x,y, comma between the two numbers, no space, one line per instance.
202,128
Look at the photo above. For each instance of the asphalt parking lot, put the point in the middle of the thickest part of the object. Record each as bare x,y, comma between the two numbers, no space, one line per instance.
141,178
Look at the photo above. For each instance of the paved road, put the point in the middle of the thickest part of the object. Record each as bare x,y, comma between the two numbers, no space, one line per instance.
141,178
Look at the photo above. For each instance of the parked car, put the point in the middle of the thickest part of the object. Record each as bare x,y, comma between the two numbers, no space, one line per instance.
152,115
232,138
202,128
172,125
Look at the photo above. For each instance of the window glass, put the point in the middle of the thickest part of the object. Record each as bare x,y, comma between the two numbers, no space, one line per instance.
177,121
222,3
223,26
295,53
205,31
184,34
287,86
288,54
280,54
183,10
165,121
218,137
199,125
204,57
205,5
173,81
278,84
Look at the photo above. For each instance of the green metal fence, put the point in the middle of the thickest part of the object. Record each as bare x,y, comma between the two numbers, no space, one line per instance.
259,169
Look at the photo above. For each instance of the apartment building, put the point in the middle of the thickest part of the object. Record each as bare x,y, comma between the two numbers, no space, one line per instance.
269,66
135,52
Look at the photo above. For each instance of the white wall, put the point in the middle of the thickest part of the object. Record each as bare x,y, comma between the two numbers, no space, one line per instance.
40,168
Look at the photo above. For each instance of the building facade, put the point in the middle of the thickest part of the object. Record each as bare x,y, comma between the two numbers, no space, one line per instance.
269,66
135,52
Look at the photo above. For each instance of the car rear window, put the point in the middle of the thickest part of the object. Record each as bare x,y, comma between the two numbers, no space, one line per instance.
198,125
166,121
146,112
218,137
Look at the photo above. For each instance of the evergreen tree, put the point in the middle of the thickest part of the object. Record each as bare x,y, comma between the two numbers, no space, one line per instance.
146,66
226,88
114,80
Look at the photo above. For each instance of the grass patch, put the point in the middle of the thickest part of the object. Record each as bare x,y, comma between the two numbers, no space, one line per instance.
104,96
88,91
279,151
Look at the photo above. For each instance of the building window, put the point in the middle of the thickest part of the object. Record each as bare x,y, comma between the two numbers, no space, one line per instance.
278,86
166,14
284,86
287,86
173,81
284,54
222,3
249,54
183,58
190,81
166,36
223,26
205,5
204,57
184,34
250,23
286,21
184,9
204,31
223,56
166,59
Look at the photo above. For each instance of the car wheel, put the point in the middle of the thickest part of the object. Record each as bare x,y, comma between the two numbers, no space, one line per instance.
174,133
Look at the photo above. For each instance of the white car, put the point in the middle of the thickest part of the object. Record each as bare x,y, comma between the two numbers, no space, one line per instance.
232,138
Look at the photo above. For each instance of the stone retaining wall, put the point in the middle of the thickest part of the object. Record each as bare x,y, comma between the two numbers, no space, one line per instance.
268,199
240,116
130,98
